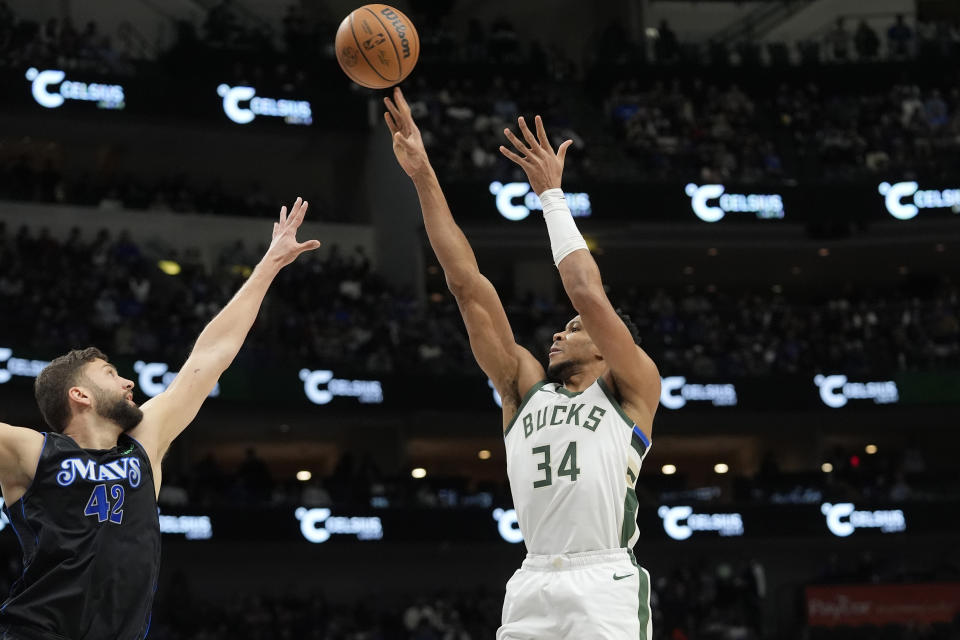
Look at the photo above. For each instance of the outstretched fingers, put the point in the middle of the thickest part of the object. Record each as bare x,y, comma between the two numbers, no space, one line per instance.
391,125
309,245
401,101
562,151
542,135
515,141
299,214
510,155
398,117
527,134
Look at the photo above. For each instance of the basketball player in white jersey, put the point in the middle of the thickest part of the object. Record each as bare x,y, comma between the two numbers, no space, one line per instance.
574,443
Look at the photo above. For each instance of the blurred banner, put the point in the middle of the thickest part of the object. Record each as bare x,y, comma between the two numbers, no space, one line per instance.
309,384
68,93
683,524
878,605
888,199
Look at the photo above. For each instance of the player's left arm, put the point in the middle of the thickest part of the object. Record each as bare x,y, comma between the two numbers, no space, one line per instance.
168,414
634,374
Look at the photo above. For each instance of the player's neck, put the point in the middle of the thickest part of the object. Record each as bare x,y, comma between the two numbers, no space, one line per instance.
93,432
580,378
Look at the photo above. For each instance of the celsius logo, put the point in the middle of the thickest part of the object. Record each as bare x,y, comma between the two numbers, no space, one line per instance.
766,206
507,525
107,96
18,366
191,527
155,377
681,522
292,111
675,392
366,391
895,194
835,391
317,525
843,519
507,194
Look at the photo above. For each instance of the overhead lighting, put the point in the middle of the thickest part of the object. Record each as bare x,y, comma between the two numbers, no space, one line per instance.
826,467
871,449
304,476
418,473
668,469
169,267
484,454
721,467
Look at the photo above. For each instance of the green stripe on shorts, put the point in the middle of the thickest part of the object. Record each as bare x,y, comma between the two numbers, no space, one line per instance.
643,609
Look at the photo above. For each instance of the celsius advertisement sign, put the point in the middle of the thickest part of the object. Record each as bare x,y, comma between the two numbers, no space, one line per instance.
242,105
515,201
50,88
904,200
711,202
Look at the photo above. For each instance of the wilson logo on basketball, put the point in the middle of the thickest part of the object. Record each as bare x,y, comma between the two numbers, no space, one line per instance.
400,27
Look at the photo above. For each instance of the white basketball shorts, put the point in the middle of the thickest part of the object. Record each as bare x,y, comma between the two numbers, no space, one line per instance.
578,596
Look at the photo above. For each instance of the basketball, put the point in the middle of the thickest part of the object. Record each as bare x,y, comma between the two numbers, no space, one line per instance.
377,46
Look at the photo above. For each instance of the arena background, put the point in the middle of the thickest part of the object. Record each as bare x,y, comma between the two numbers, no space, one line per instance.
770,189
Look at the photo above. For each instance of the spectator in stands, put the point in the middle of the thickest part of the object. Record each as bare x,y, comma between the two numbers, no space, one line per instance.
899,38
838,41
867,42
666,47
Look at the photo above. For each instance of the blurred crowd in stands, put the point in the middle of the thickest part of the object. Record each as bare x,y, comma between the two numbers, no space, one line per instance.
669,125
697,599
331,308
890,476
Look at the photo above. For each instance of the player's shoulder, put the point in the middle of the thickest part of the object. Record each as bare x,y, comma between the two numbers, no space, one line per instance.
12,436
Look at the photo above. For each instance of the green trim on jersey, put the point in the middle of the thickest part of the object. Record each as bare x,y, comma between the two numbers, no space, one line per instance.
643,609
630,504
638,445
570,394
616,405
526,398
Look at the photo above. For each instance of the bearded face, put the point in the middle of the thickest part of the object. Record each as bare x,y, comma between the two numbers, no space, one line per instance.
116,408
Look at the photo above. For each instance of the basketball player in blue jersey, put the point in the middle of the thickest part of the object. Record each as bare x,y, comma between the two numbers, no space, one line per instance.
576,434
82,498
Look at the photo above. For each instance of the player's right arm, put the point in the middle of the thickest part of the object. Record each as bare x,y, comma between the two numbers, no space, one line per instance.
512,369
19,453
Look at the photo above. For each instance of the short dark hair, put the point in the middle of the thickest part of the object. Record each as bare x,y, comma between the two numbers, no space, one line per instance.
51,386
631,326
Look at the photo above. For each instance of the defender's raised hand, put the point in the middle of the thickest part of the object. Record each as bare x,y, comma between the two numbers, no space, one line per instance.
284,247
407,142
536,157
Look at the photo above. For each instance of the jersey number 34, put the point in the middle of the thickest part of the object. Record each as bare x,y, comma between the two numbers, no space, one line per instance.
568,465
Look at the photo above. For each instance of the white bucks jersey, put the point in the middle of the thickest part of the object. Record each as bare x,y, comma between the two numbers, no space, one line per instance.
573,460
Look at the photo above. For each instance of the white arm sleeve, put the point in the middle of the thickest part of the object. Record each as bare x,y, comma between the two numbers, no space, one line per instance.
565,238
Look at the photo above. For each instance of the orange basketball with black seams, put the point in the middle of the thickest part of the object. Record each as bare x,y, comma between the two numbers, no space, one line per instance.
377,46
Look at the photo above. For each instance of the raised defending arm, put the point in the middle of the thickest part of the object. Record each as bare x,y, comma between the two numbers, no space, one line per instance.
169,413
512,368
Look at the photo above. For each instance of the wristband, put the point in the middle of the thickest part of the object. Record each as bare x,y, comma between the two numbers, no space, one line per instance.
565,238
